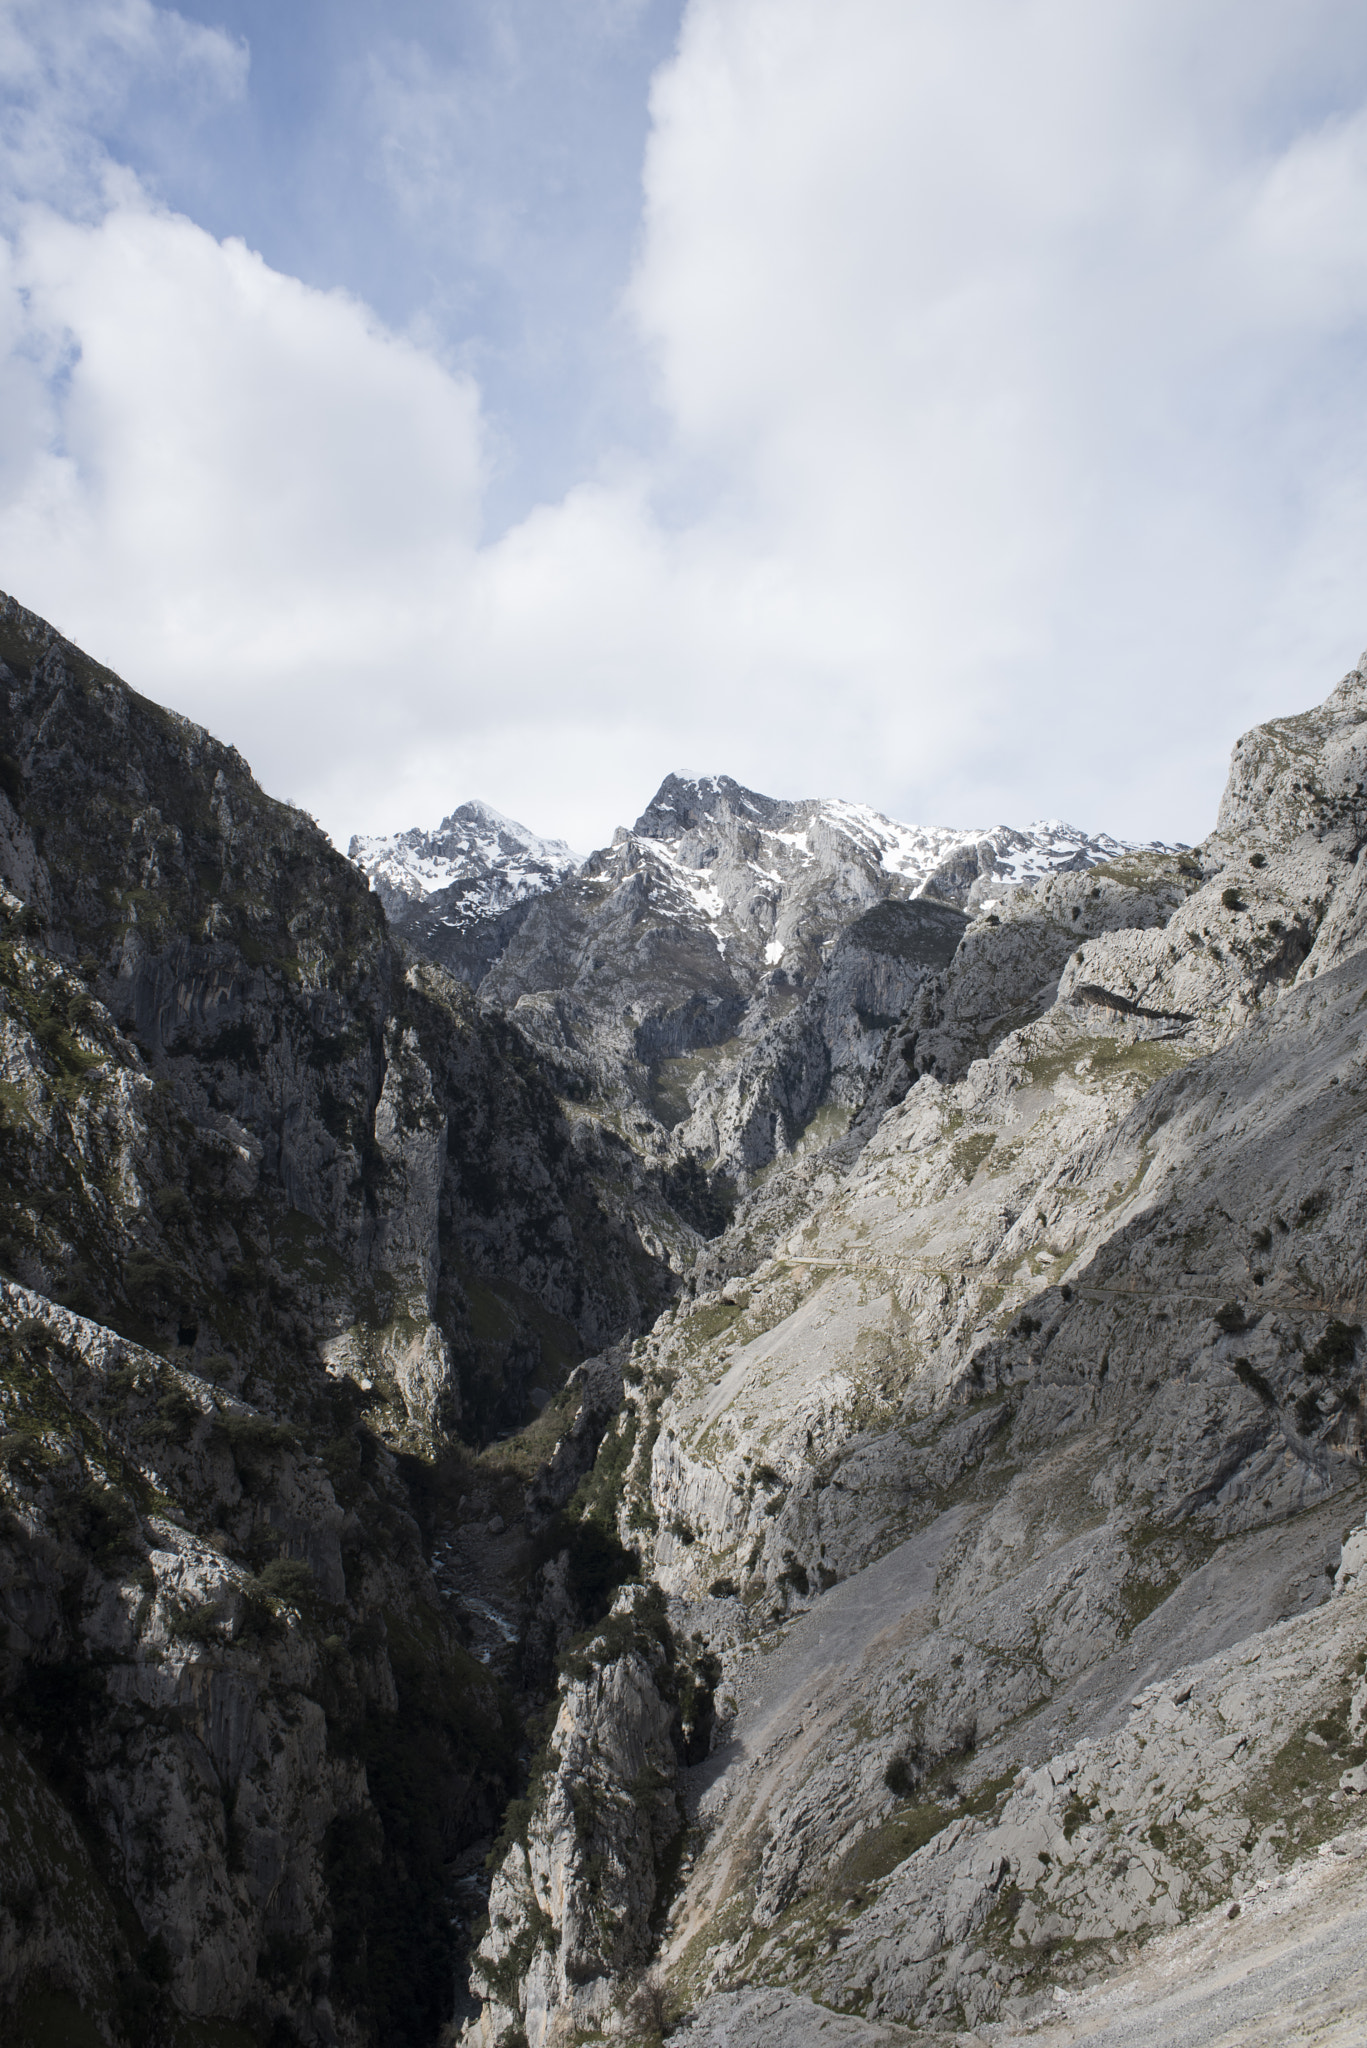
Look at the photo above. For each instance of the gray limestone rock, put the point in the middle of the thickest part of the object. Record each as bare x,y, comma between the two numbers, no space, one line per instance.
994,1475
1002,1455
572,1902
723,977
278,1207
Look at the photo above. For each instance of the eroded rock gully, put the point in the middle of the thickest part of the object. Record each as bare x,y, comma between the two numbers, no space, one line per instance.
927,1607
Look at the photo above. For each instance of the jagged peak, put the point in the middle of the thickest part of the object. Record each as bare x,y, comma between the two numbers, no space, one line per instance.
467,823
494,858
683,802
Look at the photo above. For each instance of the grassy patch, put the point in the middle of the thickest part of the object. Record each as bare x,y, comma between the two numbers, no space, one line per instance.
527,1450
882,1848
1144,1060
302,1249
1292,1789
1142,1598
672,1079
707,1323
830,1123
969,1154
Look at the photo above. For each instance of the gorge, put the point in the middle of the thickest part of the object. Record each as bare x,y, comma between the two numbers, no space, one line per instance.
758,1438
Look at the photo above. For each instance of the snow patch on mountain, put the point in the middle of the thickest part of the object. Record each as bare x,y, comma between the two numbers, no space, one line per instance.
1007,859
771,877
972,867
912,851
1049,847
482,860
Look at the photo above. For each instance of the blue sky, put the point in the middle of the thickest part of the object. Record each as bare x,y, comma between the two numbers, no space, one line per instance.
955,405
471,170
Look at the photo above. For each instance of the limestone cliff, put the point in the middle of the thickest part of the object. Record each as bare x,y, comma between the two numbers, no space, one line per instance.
1002,1454
575,1898
278,1210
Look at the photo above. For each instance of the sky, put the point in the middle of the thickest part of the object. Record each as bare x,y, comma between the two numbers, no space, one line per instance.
958,406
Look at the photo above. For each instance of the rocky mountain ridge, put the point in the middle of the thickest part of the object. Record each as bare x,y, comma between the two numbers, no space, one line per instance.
450,891
658,982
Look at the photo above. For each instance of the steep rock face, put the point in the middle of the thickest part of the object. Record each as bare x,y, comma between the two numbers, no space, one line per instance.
203,1003
572,1903
1031,1414
967,1196
194,1736
826,1052
278,1207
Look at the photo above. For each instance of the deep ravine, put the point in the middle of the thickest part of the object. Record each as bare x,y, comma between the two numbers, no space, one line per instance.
871,1549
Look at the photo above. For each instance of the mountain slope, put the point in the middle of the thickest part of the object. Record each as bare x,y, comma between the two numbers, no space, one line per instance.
278,1210
995,1470
951,1583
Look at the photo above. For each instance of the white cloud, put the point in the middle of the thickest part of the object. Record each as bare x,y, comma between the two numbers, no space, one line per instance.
995,303
1011,373
248,486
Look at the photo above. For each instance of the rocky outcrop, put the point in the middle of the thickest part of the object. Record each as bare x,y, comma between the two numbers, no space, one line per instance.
1007,968
596,1387
192,1654
573,1903
826,1053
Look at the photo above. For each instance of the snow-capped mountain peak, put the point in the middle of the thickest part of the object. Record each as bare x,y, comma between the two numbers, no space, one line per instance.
764,882
683,803
971,866
974,867
482,861
734,857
